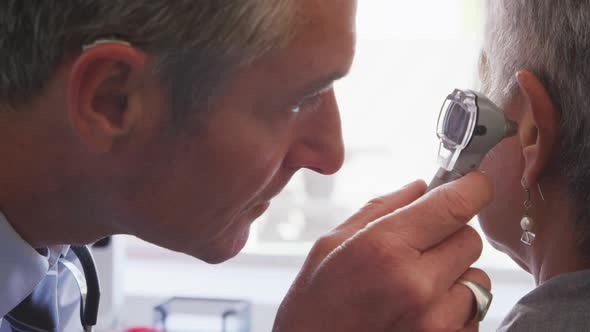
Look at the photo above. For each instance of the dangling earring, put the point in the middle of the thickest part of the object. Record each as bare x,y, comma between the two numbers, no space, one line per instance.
527,223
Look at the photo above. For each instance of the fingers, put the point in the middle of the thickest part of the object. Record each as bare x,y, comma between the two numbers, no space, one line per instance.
382,206
455,311
372,211
459,293
432,218
450,259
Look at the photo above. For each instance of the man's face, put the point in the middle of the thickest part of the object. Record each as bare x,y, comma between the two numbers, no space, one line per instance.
203,189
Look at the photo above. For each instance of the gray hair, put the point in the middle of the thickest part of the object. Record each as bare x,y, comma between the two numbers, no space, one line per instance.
194,43
552,39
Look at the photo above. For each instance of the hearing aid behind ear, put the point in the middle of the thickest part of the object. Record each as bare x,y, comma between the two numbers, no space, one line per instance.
469,126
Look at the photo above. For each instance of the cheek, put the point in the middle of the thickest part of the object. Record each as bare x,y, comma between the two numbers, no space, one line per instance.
255,177
501,219
236,181
200,206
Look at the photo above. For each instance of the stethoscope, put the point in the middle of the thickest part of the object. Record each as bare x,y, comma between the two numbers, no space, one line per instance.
88,284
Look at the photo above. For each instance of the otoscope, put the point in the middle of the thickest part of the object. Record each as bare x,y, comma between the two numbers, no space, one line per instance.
469,126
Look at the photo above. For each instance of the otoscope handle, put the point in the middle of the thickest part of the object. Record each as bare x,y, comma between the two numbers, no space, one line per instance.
443,176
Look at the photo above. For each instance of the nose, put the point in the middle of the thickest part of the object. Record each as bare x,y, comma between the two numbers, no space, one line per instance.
319,145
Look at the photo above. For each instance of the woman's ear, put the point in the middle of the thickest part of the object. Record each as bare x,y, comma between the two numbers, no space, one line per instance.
539,126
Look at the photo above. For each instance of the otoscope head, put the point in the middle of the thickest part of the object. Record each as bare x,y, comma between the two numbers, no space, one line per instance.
469,126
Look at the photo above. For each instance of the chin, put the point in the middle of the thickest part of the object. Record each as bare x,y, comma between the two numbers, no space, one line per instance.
226,247
508,250
496,245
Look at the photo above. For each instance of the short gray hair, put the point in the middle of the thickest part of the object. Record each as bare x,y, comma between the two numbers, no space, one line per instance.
552,39
194,43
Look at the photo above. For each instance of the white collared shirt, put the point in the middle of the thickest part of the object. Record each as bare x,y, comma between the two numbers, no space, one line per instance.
22,268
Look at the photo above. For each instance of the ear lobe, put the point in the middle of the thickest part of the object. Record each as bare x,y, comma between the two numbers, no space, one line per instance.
103,81
539,127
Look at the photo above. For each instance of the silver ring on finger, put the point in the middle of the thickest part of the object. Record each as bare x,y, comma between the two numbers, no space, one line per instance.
483,297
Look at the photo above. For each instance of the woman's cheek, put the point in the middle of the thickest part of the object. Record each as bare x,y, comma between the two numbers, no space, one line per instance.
504,164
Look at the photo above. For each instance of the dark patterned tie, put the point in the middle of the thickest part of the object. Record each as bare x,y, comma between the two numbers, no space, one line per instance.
39,311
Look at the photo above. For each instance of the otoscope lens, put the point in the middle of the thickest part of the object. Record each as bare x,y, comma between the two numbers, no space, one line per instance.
456,123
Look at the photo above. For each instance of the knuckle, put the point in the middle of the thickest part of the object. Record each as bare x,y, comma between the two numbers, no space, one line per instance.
485,281
480,277
383,203
459,207
381,250
390,269
418,293
372,208
373,253
487,185
377,203
474,239
324,245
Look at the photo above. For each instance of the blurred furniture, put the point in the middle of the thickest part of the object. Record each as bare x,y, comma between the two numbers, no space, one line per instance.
184,314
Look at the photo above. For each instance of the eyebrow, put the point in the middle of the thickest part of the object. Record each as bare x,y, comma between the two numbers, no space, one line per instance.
323,83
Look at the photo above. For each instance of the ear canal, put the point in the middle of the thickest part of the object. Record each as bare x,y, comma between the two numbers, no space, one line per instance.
511,128
123,103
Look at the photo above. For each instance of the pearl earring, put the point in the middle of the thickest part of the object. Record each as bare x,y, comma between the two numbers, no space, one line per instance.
527,223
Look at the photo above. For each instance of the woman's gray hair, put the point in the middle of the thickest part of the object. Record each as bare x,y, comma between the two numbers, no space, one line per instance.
194,43
552,39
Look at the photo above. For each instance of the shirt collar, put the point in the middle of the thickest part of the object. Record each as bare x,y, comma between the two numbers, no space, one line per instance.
23,267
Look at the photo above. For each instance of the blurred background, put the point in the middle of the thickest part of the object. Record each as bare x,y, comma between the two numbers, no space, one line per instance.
410,55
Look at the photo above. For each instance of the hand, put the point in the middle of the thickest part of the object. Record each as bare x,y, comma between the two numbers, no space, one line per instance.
394,265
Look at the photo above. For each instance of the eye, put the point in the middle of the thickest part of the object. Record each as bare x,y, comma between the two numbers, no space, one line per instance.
310,103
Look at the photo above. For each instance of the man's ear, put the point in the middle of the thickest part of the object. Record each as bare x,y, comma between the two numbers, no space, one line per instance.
539,126
103,93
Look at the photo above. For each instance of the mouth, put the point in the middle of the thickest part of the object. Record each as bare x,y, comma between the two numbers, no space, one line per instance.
259,209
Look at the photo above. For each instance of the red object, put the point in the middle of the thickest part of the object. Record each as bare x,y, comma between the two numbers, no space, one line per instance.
143,329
